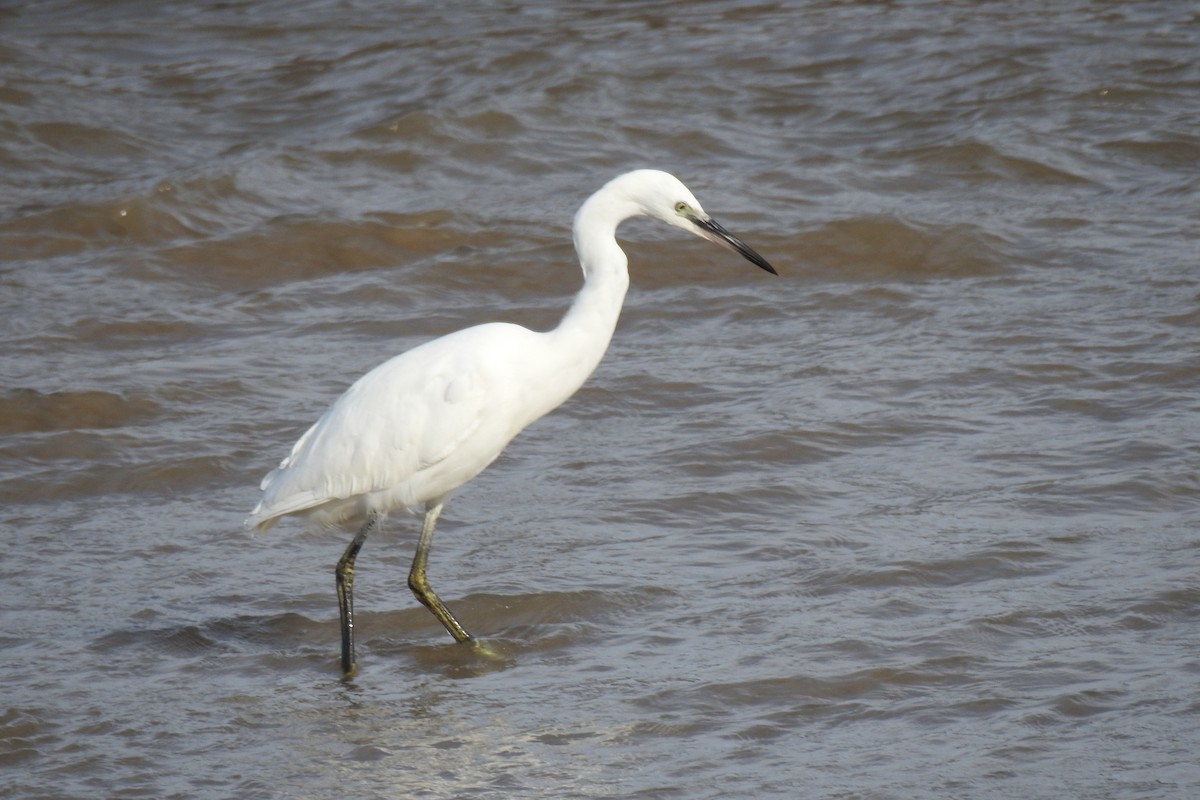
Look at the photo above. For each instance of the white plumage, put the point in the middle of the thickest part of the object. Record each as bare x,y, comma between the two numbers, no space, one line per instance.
425,422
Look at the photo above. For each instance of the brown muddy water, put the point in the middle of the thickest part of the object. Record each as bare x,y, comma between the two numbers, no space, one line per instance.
917,519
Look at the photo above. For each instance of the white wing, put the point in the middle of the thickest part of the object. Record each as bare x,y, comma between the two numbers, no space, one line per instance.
412,427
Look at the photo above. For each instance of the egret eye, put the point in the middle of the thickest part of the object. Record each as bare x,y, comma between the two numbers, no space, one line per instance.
681,207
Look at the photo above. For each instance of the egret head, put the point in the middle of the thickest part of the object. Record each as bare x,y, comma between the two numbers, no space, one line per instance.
666,198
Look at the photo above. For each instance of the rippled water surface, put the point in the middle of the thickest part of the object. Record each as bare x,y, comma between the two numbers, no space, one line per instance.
918,518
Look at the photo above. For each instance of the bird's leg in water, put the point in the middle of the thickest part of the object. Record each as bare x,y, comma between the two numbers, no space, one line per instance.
344,571
420,584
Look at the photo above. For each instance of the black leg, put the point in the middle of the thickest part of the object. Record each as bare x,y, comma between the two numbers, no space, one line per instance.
344,572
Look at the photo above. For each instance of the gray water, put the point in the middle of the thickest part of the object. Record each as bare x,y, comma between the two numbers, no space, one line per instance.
916,519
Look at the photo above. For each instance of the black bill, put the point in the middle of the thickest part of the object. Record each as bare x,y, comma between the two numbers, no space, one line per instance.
710,229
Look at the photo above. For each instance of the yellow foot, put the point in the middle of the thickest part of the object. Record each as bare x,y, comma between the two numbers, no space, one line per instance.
486,650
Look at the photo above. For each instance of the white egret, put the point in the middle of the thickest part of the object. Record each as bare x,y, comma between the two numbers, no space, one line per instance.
420,425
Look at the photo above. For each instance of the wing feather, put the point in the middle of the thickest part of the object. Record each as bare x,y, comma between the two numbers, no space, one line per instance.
394,428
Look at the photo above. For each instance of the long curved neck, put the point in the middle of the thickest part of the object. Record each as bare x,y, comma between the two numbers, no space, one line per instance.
605,272
581,338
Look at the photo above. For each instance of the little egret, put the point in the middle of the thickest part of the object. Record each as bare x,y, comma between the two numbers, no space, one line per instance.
420,425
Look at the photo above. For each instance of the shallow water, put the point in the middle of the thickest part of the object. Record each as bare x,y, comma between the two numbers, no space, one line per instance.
917,518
